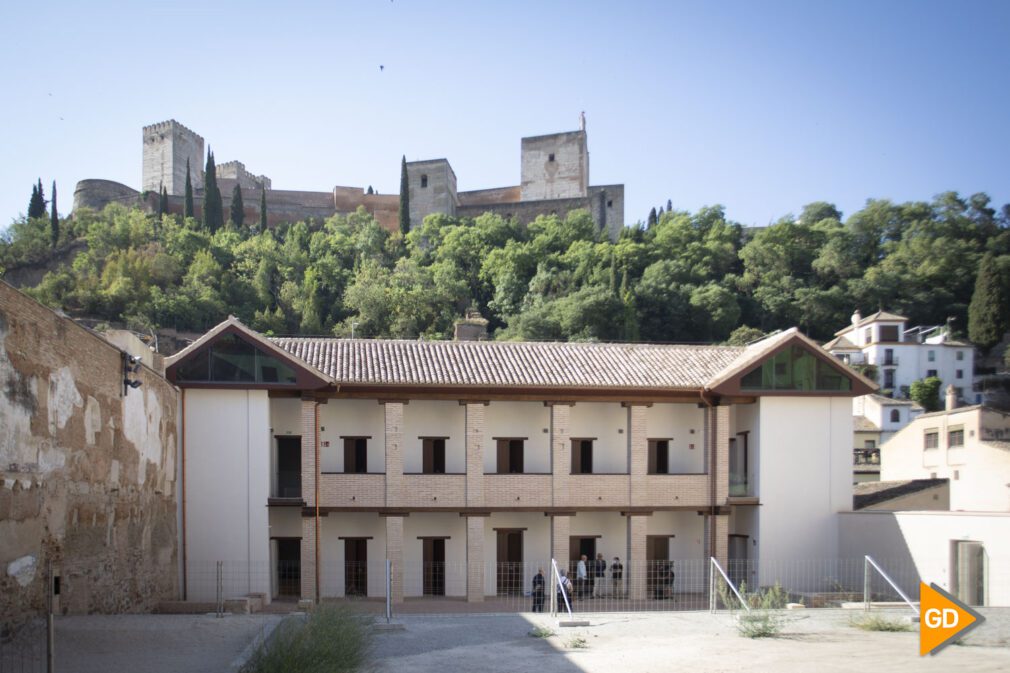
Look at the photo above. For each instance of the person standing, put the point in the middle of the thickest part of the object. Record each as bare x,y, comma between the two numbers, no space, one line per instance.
538,590
581,576
600,576
617,577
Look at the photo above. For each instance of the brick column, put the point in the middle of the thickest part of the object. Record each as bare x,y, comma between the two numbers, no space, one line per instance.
475,562
560,532
635,566
308,559
638,454
720,434
475,455
561,455
394,453
718,526
309,468
394,552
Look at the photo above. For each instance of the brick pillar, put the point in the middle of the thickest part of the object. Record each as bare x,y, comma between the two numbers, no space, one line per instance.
394,552
718,526
635,567
638,454
308,560
309,467
720,434
475,455
561,455
475,562
560,533
394,453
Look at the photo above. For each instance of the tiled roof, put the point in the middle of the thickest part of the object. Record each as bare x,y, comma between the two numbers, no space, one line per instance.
869,493
997,444
493,363
892,402
863,424
878,316
840,343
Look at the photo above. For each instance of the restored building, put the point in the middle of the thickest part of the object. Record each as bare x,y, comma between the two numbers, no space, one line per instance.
486,459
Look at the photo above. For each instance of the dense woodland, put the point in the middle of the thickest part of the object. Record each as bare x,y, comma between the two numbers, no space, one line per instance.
680,277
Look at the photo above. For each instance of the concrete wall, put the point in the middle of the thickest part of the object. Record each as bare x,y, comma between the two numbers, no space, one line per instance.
805,475
423,418
331,551
87,475
536,545
351,418
924,541
227,472
608,424
421,524
683,424
518,419
555,166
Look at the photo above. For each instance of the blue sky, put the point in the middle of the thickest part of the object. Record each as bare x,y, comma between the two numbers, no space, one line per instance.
759,106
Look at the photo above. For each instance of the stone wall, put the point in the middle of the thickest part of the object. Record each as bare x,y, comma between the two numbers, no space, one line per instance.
87,474
432,188
555,166
167,147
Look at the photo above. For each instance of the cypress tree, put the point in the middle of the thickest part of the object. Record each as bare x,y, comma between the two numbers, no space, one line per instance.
37,205
188,208
213,210
404,198
370,190
237,208
163,201
988,313
652,219
669,205
263,209
54,220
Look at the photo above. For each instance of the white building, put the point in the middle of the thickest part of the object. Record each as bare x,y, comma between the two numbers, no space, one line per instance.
467,464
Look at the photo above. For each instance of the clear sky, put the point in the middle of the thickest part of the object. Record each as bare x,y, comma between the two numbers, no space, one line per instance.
759,106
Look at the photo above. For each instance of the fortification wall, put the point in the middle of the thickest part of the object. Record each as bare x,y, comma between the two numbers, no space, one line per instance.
167,147
488,196
87,475
96,194
608,208
432,189
554,166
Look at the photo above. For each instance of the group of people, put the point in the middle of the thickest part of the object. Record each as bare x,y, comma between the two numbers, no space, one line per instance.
590,577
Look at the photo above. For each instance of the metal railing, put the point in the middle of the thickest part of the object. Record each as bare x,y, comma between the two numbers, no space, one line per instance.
713,584
869,563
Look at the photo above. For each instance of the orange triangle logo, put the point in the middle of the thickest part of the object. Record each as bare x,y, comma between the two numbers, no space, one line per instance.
942,619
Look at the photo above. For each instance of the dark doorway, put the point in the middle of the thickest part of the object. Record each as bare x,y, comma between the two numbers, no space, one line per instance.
289,467
355,455
738,565
582,456
433,455
658,578
289,566
577,548
356,566
659,456
510,456
433,566
510,563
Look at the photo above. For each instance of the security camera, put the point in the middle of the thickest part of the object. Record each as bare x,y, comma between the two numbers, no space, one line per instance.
132,384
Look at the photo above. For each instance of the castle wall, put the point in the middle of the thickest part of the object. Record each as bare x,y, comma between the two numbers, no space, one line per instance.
87,474
167,147
607,206
235,171
96,194
488,196
432,189
555,166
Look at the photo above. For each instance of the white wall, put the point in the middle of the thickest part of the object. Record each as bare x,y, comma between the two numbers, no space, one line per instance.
536,545
331,551
518,419
227,483
805,475
425,418
285,521
611,525
433,524
342,418
923,541
684,425
686,548
608,423
286,416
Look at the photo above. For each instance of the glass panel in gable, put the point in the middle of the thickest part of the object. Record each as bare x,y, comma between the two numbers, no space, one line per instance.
272,370
197,368
232,359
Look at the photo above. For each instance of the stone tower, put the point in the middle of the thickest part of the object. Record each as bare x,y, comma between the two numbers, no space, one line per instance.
432,189
555,166
167,146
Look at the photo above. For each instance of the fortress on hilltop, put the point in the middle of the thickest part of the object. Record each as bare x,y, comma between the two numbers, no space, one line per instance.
554,179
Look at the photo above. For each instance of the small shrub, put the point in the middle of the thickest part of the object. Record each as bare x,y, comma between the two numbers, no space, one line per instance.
881,623
333,639
541,632
577,643
759,624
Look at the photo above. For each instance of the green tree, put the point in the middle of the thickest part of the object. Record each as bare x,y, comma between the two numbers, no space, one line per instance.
188,207
651,222
263,209
989,311
926,392
237,208
37,204
744,335
54,220
404,198
213,210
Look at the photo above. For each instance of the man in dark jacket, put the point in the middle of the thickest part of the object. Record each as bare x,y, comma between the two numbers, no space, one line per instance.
599,576
538,591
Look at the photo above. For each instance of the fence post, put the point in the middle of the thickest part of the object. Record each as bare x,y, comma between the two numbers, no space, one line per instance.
50,631
389,586
219,581
711,586
866,584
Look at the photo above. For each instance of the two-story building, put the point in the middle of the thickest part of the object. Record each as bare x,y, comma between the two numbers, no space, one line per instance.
484,460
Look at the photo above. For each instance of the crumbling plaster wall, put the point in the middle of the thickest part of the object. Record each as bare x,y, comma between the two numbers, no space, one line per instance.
87,475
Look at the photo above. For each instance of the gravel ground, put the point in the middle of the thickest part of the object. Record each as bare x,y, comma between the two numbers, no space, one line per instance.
155,643
823,640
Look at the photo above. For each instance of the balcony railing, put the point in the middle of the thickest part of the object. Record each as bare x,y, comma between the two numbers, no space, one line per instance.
739,486
289,484
866,456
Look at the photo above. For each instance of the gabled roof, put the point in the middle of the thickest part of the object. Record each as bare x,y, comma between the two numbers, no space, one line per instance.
891,402
879,316
863,424
840,343
869,493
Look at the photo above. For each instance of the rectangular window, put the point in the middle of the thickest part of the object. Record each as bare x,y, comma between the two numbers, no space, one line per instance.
550,157
868,335
960,355
959,374
433,455
889,356
931,356
511,455
930,372
582,456
931,440
355,455
659,456
889,333
959,393
870,443
889,379
955,438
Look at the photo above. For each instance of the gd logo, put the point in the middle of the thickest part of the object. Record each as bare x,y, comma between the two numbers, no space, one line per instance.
944,619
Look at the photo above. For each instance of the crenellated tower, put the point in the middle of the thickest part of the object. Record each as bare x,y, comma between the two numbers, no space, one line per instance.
167,146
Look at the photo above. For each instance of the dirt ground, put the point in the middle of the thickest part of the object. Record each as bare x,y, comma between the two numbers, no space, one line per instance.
821,640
